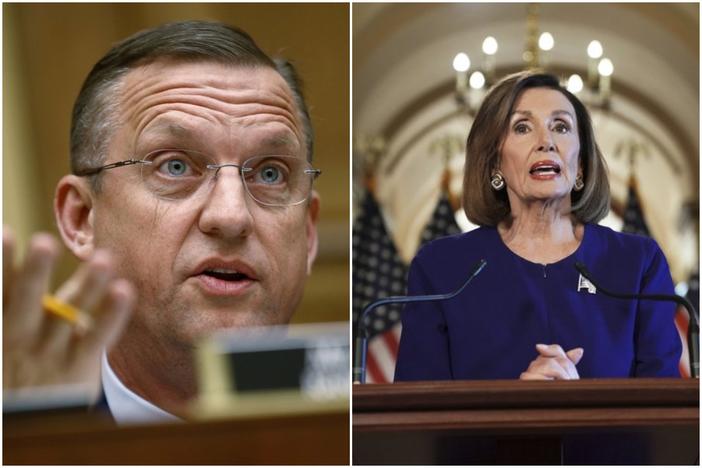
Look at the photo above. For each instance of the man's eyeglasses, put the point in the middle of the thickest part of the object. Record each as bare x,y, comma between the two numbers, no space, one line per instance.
179,174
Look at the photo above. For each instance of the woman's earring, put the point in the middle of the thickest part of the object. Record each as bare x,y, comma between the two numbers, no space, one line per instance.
497,181
579,183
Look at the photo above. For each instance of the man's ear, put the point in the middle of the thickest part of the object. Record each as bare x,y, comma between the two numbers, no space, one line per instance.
311,229
73,208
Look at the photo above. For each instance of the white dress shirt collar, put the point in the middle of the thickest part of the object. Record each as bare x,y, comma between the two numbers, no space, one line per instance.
126,406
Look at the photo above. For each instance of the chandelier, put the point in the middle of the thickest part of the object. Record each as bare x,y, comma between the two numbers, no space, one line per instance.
472,83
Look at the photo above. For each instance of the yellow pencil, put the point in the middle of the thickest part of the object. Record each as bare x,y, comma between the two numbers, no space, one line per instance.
57,307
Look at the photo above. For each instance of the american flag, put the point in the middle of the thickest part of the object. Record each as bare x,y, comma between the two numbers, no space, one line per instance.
382,350
378,272
682,320
442,223
635,222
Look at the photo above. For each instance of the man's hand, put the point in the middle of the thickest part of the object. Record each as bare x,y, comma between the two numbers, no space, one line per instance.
40,348
553,363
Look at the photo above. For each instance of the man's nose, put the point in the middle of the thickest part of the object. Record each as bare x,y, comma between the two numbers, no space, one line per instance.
226,209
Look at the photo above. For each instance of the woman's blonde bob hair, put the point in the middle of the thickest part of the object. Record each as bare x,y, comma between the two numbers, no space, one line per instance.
487,207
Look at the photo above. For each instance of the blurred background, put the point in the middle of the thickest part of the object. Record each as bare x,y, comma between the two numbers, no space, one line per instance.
48,49
419,73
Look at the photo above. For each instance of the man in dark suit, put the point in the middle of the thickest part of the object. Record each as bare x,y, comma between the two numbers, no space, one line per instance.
191,205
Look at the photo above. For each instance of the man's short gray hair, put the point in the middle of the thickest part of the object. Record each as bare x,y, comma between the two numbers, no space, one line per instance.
95,115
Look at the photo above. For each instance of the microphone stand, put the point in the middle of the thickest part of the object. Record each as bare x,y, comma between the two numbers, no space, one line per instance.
693,328
359,358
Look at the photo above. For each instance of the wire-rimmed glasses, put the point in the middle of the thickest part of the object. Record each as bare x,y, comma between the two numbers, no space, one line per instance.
177,174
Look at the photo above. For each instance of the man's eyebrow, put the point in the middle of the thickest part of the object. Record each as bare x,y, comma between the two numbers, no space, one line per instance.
170,128
280,140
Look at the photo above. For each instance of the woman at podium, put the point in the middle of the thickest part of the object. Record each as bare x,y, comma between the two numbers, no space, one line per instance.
536,183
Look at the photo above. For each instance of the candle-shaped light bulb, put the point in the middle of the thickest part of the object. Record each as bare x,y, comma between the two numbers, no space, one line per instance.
477,80
605,69
575,84
594,52
490,46
594,49
546,41
461,63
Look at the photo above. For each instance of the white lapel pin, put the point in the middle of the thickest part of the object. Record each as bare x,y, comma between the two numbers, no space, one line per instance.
584,283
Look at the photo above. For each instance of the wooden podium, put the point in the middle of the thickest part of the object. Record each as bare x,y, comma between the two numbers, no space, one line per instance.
69,437
612,421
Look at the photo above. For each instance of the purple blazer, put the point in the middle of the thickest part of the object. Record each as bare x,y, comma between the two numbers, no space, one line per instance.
489,331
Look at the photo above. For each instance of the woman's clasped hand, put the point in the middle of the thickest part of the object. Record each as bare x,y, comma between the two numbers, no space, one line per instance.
553,363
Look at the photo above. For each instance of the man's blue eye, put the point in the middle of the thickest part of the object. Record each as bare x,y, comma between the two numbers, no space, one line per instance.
176,167
270,174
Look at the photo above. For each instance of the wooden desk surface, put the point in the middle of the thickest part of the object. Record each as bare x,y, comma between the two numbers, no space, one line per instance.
589,421
531,406
80,438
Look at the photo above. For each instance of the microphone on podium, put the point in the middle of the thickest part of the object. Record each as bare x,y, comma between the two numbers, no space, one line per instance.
359,359
693,329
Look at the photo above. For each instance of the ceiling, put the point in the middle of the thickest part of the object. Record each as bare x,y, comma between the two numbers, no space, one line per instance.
403,51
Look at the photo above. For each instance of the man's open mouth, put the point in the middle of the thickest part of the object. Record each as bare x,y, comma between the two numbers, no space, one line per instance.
226,275
227,281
